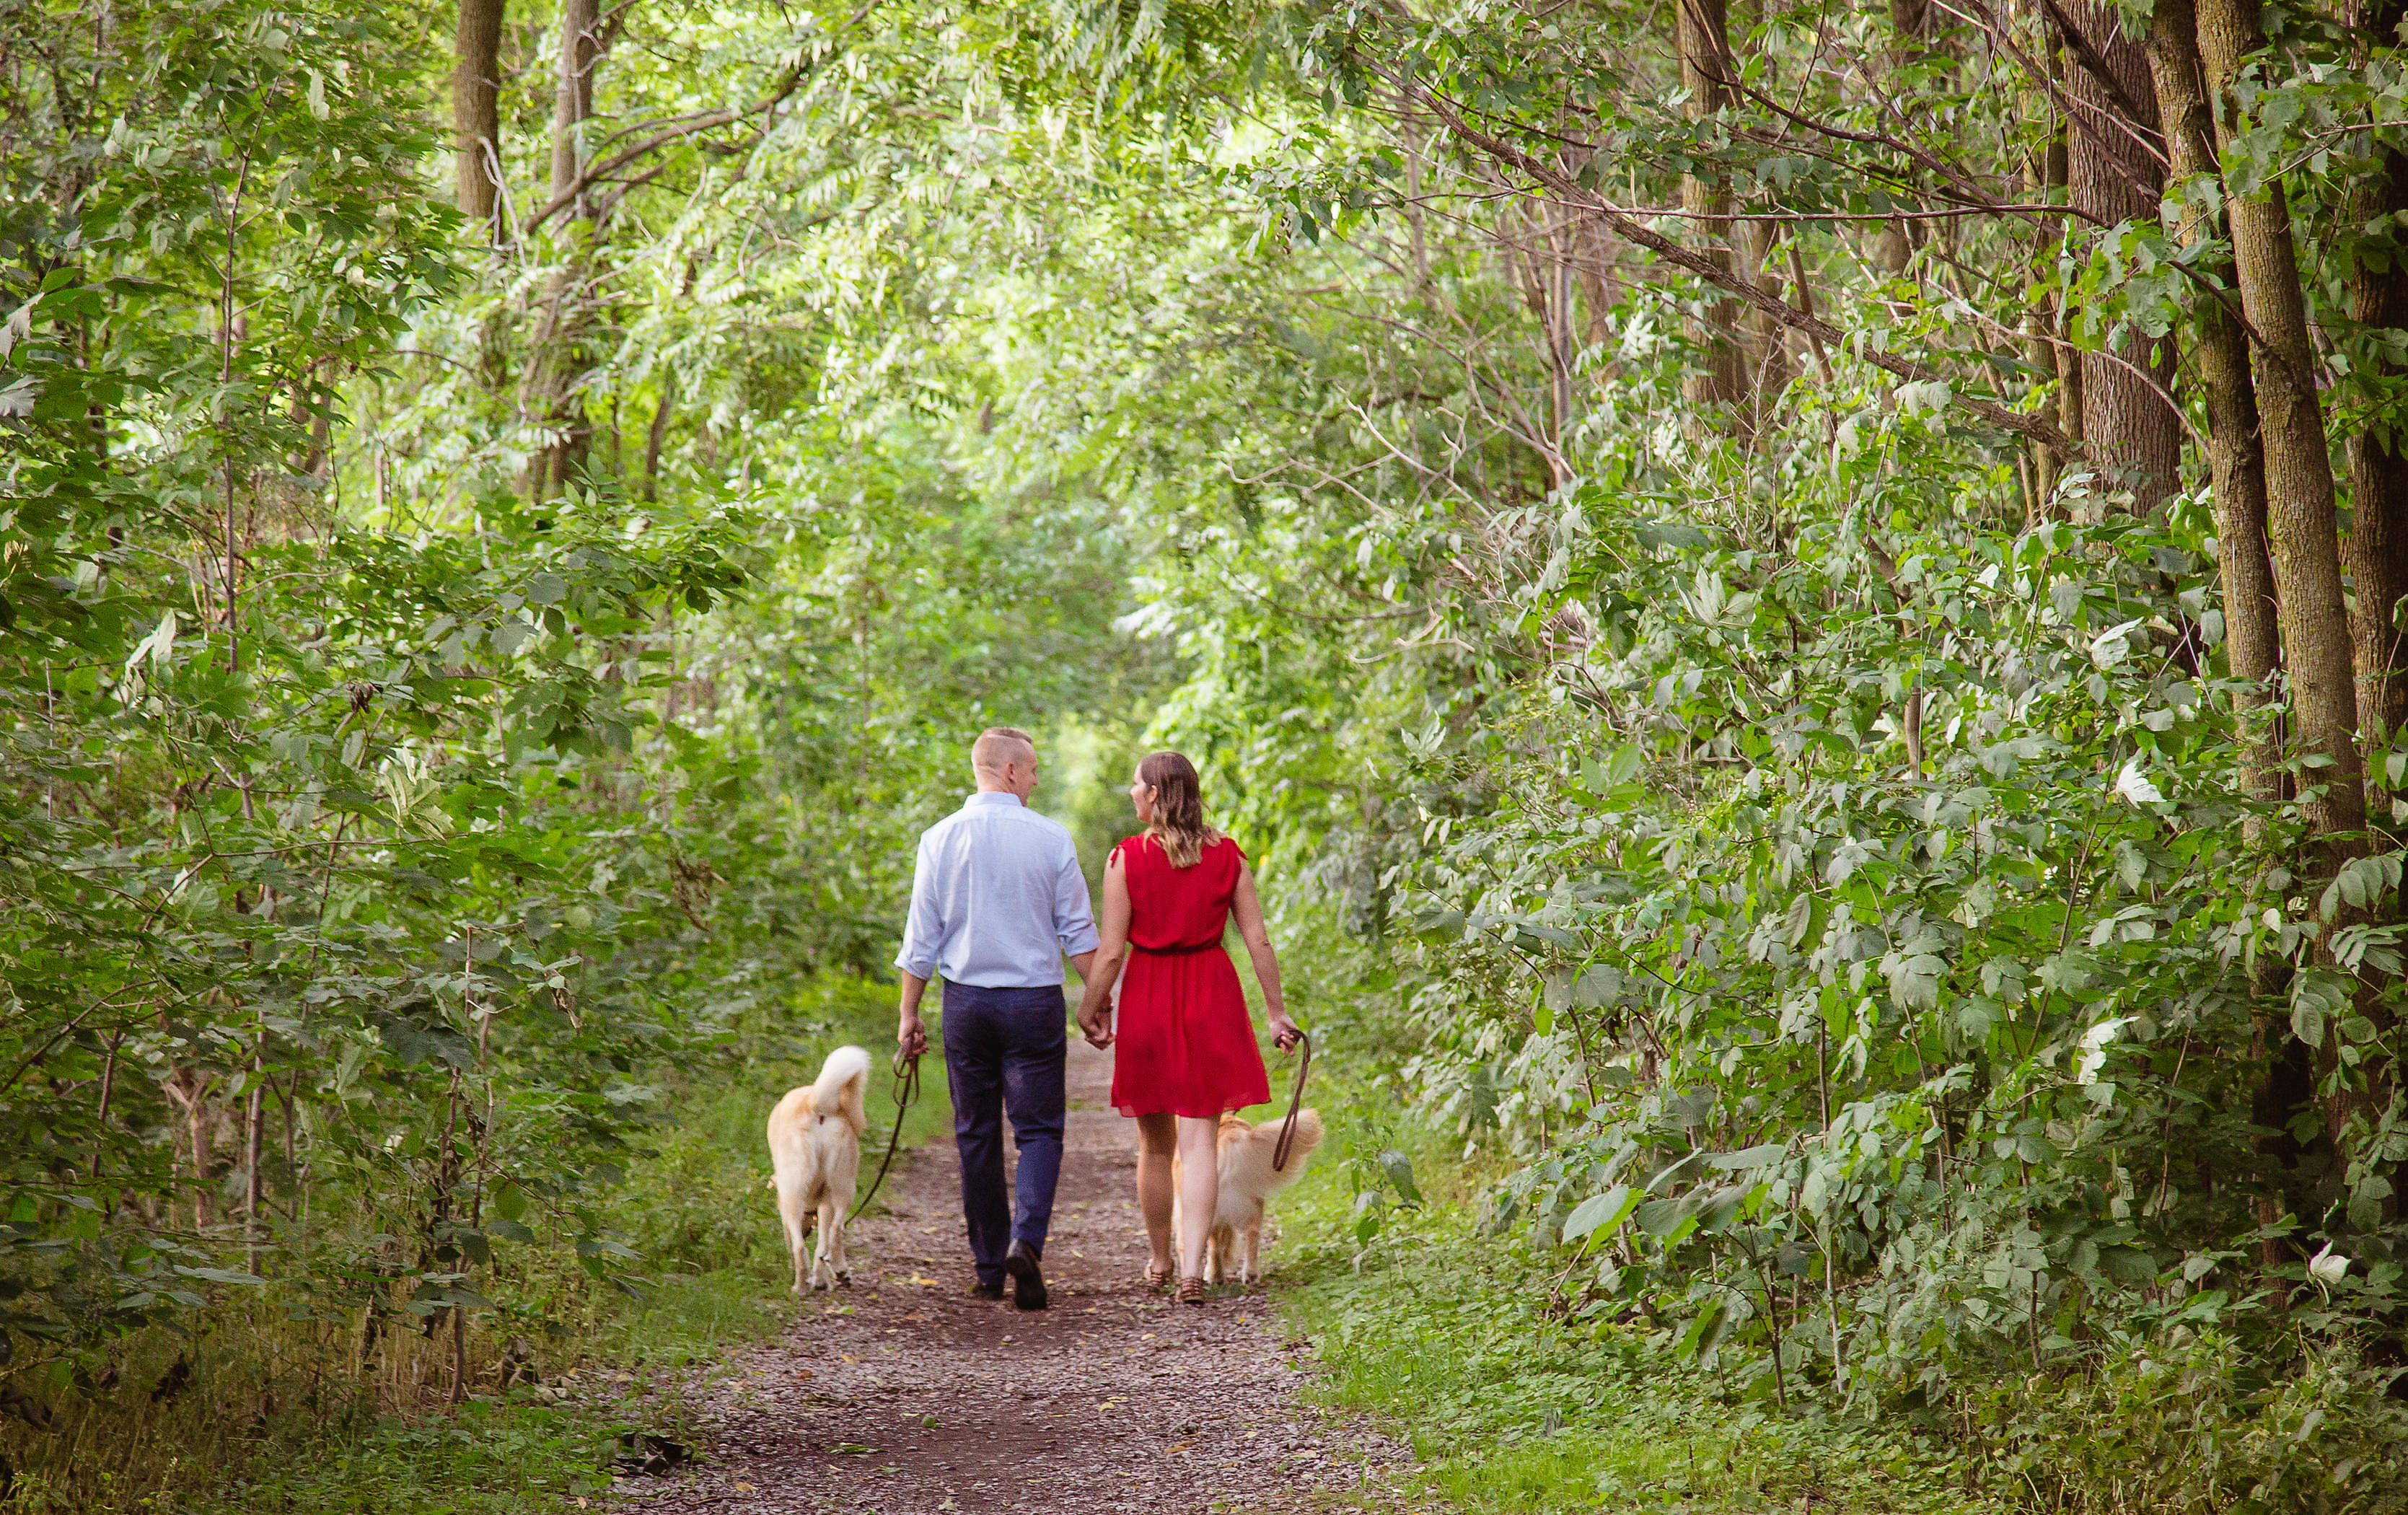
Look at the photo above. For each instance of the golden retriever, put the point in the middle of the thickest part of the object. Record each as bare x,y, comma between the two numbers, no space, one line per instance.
1247,1179
815,1146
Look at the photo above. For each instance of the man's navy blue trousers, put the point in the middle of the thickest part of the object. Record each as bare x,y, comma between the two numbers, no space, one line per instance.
1003,1053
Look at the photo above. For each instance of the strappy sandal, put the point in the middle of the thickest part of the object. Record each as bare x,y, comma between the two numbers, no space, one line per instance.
1158,1278
1191,1290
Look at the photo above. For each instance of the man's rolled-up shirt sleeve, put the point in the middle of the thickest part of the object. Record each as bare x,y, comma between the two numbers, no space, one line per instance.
1074,921
923,928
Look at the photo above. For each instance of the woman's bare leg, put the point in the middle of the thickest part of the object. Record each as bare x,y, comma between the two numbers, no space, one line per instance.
1199,1189
1157,1138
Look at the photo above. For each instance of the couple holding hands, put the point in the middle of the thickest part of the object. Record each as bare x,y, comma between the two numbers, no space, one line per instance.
997,901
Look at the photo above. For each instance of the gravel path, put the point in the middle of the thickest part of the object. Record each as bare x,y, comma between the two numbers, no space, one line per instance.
907,1395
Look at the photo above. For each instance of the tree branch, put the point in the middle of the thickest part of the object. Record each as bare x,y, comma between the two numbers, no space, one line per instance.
1568,190
679,129
596,172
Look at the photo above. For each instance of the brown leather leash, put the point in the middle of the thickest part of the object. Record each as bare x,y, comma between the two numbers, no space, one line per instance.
1295,1102
907,1089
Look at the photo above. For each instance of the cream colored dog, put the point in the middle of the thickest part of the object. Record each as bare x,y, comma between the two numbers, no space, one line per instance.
815,1146
1247,1180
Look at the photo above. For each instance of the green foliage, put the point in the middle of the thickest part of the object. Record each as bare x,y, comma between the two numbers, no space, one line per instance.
459,681
2195,1421
1518,1393
1467,1348
271,1409
386,851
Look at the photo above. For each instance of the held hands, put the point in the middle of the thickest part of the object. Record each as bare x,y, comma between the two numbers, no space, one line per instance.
1097,1028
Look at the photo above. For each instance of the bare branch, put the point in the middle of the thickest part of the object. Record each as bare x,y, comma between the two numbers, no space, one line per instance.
1563,186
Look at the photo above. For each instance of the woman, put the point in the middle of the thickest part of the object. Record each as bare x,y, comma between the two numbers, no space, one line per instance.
1186,1047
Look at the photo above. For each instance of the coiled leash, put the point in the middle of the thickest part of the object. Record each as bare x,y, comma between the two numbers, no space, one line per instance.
907,1089
1295,1102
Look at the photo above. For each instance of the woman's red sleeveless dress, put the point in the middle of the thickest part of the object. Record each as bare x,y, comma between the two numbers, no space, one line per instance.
1184,1044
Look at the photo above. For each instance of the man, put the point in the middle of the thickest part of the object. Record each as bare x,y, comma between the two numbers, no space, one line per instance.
997,901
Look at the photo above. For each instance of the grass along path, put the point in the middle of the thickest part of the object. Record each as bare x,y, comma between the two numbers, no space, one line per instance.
703,1218
1512,1401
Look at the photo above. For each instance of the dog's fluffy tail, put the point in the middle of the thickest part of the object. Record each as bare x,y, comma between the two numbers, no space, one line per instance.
1262,1142
843,1087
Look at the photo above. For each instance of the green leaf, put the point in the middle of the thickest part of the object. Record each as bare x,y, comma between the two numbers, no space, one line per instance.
1663,1217
220,1275
1599,984
1749,1159
2320,995
1721,1208
1601,1213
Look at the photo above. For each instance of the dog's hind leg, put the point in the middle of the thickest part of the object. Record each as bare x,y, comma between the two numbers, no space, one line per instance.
791,1211
832,1258
1253,1270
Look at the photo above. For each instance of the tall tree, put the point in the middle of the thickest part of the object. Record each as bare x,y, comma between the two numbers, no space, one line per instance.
476,111
581,47
2046,343
2236,461
2299,508
2115,176
2300,514
2376,553
1758,246
554,366
1701,28
2237,469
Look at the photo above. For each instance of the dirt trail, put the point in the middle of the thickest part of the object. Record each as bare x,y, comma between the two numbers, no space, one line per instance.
907,1395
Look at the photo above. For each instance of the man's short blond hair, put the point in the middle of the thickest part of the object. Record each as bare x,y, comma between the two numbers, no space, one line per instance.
999,745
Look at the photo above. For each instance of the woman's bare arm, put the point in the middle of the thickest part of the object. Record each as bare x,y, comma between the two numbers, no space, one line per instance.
1248,908
1112,949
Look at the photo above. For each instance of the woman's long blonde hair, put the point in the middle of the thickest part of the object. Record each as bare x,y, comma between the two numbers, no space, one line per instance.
1178,825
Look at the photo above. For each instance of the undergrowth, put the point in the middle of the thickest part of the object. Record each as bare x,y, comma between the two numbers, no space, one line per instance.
1460,1346
594,1364
1517,1396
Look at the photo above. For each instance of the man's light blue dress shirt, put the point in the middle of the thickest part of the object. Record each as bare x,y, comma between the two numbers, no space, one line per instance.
998,899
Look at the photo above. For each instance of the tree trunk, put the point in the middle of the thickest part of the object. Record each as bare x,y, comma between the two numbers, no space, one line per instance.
1701,35
655,435
2127,412
573,96
2300,514
190,1089
2237,467
2236,463
1554,248
1757,244
1893,246
254,1120
2376,553
554,367
2044,326
476,112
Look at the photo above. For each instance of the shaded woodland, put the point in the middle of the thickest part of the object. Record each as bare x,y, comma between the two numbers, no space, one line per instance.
1801,605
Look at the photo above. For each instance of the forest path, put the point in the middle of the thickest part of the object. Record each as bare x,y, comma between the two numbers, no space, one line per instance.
907,1395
